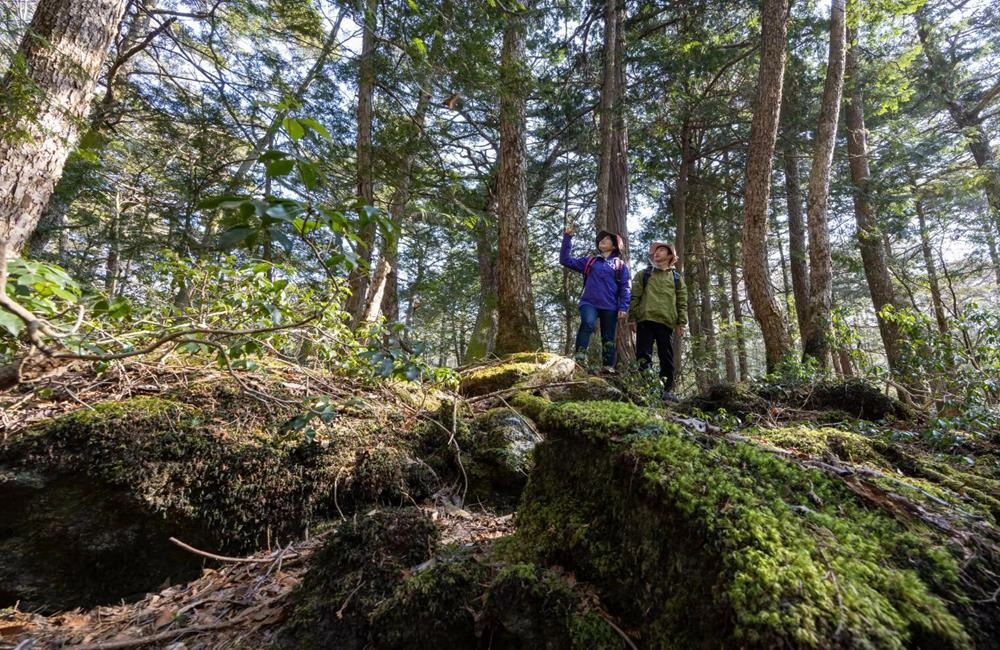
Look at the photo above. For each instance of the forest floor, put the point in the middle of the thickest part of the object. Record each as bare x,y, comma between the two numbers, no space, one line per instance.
235,604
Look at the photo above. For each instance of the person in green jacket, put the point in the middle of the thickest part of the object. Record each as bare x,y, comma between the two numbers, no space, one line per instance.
658,311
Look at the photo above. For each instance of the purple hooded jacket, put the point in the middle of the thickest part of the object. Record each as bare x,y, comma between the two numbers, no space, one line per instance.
603,286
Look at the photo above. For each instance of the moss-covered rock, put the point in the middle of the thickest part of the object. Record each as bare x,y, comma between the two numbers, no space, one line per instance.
584,389
530,368
703,542
502,439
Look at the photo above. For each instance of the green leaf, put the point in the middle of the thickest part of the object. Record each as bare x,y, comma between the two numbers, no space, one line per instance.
294,128
280,168
233,236
307,172
316,126
10,323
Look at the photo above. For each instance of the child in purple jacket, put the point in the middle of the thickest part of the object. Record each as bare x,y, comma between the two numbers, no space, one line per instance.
606,291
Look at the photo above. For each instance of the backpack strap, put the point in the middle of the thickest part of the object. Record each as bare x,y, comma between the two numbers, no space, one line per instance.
648,271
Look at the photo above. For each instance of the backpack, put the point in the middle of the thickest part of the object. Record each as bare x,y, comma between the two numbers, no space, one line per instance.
617,262
648,271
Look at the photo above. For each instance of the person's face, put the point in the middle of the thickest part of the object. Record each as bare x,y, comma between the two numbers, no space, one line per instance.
606,245
662,255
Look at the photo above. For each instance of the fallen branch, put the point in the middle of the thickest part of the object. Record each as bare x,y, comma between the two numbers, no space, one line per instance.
225,558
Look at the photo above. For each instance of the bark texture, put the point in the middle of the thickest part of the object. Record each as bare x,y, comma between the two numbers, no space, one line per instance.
763,133
358,279
869,236
816,337
44,99
518,328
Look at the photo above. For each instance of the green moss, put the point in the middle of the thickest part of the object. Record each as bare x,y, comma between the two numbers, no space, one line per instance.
528,404
820,441
600,420
507,372
715,541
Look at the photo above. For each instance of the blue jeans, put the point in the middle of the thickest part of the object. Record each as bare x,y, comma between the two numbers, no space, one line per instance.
588,321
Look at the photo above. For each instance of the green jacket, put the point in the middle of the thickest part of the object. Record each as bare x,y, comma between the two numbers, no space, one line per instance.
658,301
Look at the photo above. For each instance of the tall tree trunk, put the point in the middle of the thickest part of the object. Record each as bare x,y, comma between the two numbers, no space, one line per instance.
710,357
612,181
797,251
869,236
484,332
760,154
727,342
816,338
680,222
518,329
734,287
113,260
59,59
932,278
358,279
397,207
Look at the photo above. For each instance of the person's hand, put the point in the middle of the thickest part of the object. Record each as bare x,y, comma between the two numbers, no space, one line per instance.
568,231
679,330
634,326
622,315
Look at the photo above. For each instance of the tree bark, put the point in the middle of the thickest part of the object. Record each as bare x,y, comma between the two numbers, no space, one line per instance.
932,278
612,179
484,332
734,287
53,77
680,222
397,210
710,353
763,133
358,279
816,337
518,328
797,250
869,236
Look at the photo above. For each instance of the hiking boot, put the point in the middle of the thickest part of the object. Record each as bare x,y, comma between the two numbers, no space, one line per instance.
609,370
667,396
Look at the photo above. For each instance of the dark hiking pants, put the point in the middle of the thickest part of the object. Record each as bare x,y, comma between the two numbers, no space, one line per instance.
647,333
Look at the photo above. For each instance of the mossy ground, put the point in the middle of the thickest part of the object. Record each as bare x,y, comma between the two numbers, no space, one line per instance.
212,455
701,541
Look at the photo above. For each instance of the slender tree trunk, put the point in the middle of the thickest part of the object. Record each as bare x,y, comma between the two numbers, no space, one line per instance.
113,260
797,250
932,278
760,153
518,329
398,205
727,344
734,287
609,87
869,236
816,338
680,222
709,345
61,56
612,181
484,332
358,279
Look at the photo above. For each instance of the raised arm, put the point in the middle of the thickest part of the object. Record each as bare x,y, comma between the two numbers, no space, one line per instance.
575,263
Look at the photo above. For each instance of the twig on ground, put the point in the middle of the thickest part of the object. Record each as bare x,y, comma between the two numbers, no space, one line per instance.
223,558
